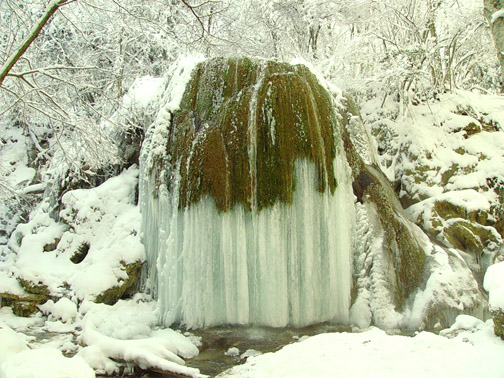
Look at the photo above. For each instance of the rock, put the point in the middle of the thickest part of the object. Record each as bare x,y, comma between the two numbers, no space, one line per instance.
24,305
252,153
498,319
402,250
396,267
125,287
446,184
210,140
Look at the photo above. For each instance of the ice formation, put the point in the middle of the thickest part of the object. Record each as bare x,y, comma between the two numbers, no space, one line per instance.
285,262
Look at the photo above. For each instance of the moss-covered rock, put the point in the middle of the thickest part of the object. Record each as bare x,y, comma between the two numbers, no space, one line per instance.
34,288
23,305
404,252
498,319
452,224
242,124
112,295
468,237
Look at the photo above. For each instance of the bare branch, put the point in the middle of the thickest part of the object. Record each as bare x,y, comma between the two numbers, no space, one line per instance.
52,7
42,70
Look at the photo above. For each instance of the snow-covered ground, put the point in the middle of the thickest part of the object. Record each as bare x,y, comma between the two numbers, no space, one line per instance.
127,331
494,284
124,332
467,349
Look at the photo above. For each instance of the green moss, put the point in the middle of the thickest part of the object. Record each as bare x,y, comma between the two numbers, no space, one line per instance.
448,174
471,129
34,288
212,137
498,319
447,210
24,309
112,295
469,237
25,305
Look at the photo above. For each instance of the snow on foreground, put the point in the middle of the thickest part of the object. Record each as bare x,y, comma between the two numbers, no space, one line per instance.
494,284
467,349
123,332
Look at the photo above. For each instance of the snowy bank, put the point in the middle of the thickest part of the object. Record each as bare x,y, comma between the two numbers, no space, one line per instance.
373,353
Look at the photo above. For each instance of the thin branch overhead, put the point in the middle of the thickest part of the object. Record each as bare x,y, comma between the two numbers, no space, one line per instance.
51,8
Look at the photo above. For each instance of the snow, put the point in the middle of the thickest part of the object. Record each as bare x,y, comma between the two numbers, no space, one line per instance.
14,168
143,92
17,360
104,218
250,353
450,282
9,284
468,199
429,134
63,309
126,331
232,352
107,220
445,151
180,74
45,363
472,351
494,284
11,343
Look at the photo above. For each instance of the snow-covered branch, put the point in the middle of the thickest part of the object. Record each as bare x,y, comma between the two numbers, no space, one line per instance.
51,8
49,68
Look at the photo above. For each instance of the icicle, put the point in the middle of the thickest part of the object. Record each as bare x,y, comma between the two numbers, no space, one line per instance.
287,264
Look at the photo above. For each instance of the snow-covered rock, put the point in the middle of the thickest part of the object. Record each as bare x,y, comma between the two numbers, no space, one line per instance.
94,252
445,157
494,284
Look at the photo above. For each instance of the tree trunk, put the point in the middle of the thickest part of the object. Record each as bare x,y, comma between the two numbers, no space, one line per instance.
496,21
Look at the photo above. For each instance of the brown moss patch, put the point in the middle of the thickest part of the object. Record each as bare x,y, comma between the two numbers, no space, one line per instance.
242,125
34,288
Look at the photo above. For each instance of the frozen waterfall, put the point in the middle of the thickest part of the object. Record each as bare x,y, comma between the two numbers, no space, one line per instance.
246,201
287,264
